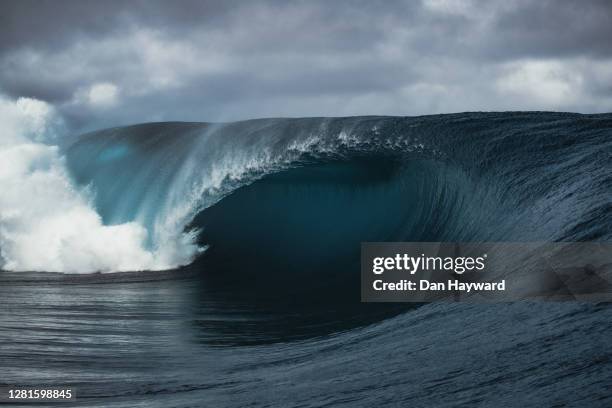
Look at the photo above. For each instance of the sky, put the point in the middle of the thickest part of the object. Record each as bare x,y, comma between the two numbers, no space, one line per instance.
109,63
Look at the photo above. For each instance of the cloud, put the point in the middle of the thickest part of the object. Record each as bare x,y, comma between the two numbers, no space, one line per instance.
548,83
103,95
102,65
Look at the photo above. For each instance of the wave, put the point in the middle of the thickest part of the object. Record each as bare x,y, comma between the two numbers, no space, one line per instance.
300,194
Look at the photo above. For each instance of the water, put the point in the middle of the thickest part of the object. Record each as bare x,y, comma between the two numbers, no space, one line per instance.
161,344
267,313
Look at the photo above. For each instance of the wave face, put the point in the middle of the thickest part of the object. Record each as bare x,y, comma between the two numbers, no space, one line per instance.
316,187
308,188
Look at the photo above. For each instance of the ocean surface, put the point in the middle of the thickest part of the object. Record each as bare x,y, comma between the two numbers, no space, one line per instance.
248,293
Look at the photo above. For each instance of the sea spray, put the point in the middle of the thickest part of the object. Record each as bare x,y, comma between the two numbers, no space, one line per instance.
48,224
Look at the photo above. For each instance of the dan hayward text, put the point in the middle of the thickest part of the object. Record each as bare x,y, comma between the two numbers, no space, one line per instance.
450,285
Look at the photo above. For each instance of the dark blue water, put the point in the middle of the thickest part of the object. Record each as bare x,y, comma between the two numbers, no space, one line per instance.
269,314
149,344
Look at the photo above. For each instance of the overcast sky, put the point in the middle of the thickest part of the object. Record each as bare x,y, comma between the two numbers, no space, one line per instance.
105,63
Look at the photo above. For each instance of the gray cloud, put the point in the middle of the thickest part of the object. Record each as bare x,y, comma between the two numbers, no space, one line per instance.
556,28
116,62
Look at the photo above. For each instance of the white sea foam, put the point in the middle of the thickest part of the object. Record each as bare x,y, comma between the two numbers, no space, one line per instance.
48,224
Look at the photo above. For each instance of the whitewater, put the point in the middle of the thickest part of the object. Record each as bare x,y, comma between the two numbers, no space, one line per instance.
46,222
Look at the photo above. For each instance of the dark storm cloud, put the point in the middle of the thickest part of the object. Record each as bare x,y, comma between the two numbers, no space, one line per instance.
53,23
112,62
556,28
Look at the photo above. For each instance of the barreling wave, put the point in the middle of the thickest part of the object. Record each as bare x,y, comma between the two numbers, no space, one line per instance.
306,191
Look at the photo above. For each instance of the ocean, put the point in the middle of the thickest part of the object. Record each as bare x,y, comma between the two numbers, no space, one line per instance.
247,290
